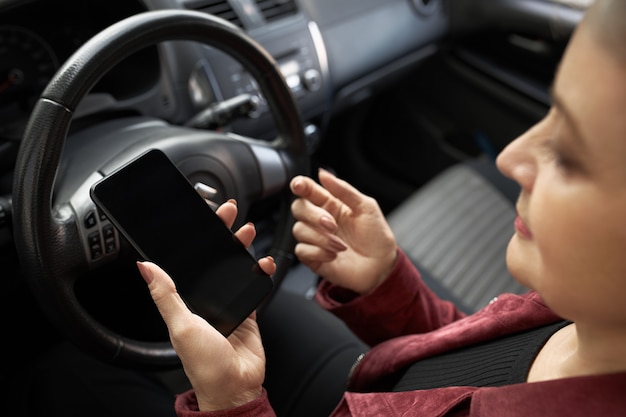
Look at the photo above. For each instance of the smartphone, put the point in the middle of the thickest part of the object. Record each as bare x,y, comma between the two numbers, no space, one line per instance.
155,207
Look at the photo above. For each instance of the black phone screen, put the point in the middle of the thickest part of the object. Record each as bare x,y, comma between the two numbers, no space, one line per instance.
159,212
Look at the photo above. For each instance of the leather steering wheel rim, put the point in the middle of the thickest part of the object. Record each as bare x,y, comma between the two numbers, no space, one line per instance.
41,232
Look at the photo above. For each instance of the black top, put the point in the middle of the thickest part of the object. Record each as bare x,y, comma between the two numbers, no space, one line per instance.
494,363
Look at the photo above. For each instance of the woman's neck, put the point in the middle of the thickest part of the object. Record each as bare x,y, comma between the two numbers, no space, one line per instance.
578,350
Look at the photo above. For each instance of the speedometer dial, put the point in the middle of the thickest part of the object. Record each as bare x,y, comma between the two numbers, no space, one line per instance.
26,64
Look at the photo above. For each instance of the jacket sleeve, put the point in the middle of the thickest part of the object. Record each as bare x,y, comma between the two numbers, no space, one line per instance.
186,405
400,305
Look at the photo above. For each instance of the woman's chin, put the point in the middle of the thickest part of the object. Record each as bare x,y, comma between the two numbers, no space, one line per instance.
518,262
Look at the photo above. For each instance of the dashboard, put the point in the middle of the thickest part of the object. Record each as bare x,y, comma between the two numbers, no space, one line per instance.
328,50
333,54
33,45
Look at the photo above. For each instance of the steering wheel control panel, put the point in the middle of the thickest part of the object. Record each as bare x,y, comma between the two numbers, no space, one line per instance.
100,239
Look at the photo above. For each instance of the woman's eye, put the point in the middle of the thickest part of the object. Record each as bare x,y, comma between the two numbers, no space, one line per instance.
561,159
561,148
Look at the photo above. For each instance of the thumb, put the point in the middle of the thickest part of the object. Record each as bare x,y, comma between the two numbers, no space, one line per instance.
163,292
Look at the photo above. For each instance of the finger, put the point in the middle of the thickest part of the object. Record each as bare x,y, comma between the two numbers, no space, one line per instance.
228,212
305,187
313,256
268,265
341,189
305,211
331,194
303,233
246,234
163,291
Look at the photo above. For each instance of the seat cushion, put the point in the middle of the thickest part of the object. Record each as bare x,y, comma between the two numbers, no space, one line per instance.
456,229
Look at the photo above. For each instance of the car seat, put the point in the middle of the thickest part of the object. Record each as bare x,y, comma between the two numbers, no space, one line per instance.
456,230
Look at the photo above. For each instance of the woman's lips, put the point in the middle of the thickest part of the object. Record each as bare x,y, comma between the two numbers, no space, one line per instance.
521,228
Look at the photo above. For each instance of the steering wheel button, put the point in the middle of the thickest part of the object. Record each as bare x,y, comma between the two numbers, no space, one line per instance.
96,252
109,246
95,246
109,239
109,232
90,219
102,216
94,239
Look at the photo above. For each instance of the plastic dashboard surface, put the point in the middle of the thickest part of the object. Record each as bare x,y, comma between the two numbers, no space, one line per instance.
322,47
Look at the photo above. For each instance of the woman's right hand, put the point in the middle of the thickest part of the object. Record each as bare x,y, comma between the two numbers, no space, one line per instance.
342,234
224,372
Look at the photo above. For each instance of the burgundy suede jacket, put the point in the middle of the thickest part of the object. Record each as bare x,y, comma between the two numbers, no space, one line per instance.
405,322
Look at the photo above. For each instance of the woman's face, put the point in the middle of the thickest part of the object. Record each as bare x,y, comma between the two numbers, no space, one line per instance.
570,239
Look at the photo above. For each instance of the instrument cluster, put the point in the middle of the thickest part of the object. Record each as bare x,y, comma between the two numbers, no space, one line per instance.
36,37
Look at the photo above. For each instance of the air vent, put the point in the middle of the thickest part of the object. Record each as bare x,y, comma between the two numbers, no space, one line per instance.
219,8
273,10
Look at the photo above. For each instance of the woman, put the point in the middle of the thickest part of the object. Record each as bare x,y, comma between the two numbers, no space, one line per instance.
562,346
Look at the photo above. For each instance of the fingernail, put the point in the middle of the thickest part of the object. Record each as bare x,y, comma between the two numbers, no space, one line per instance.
295,183
328,224
232,201
145,272
326,171
337,243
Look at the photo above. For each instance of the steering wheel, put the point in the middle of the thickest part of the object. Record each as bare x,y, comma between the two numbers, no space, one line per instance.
49,223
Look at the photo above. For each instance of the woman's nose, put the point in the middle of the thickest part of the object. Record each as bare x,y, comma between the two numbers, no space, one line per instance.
517,161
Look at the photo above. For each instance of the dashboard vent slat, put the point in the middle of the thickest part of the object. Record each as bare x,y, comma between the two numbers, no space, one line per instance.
219,8
273,10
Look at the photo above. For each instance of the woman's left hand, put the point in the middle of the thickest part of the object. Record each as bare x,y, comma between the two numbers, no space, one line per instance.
224,372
